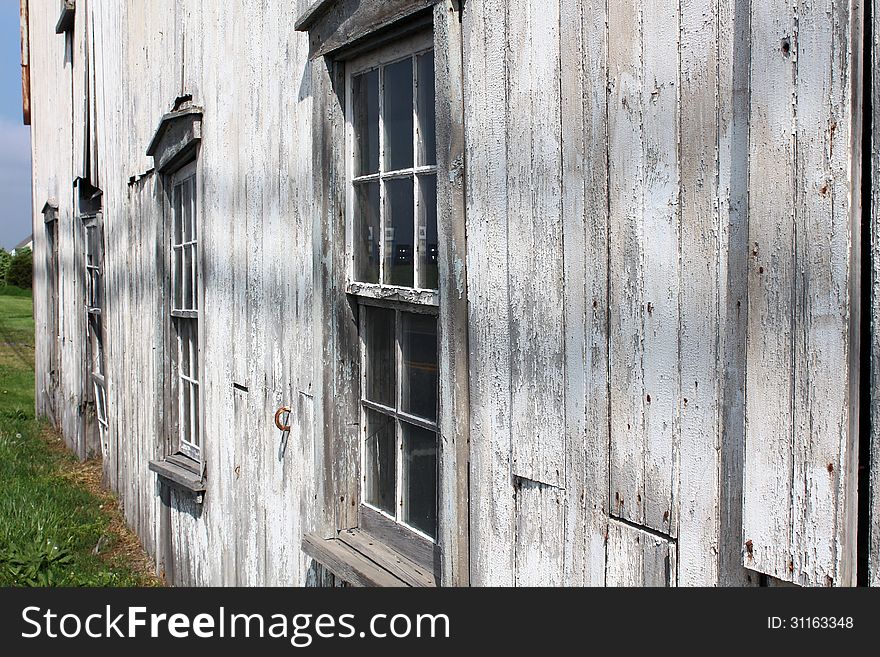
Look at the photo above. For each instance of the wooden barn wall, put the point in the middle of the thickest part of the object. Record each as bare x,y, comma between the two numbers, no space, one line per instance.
610,176
613,192
249,74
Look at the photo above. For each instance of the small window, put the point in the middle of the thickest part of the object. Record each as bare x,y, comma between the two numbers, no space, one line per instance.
392,210
185,311
94,262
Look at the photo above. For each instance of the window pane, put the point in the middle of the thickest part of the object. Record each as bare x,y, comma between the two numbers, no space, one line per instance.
177,275
380,358
399,232
186,208
381,461
365,120
420,478
398,115
366,236
428,232
185,280
427,137
418,395
183,347
178,213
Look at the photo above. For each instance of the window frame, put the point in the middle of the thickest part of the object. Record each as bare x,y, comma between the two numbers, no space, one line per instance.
405,539
191,316
351,29
94,307
411,46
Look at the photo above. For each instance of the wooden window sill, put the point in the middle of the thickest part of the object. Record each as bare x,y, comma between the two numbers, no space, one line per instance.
359,559
180,471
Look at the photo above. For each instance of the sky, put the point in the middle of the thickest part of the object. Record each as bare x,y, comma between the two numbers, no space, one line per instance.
15,138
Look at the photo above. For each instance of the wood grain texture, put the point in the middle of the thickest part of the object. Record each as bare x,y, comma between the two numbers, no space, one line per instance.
647,213
639,558
802,404
492,513
874,65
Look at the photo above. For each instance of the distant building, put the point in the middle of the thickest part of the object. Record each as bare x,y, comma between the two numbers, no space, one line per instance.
26,243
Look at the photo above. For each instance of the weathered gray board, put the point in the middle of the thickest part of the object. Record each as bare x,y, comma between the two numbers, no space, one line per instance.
611,189
803,275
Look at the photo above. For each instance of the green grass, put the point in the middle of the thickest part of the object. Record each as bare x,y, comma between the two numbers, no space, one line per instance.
53,514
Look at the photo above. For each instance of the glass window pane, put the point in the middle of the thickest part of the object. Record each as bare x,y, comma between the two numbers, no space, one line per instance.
381,460
194,349
177,275
194,426
365,121
366,232
381,355
195,276
185,412
186,207
398,115
177,237
418,395
399,232
183,346
428,232
185,280
419,484
427,136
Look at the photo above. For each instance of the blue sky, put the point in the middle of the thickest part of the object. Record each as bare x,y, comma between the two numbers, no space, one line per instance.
15,139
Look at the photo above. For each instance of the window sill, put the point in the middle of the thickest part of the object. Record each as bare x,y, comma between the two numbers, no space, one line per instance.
180,471
361,560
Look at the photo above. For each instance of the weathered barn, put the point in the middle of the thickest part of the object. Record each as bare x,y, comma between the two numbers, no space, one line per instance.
557,292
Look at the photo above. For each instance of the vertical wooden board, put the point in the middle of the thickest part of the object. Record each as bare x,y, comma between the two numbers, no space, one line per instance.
540,534
452,321
535,265
700,233
840,411
626,304
585,238
492,509
874,546
660,276
771,281
639,558
733,146
820,312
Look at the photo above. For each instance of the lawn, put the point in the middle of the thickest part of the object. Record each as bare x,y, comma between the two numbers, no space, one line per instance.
57,526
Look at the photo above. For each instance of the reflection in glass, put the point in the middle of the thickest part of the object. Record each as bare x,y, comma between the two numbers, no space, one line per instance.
399,241
381,463
428,232
425,97
398,115
365,110
418,395
366,237
380,366
420,478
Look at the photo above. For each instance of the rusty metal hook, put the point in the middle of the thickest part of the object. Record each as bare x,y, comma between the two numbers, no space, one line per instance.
281,427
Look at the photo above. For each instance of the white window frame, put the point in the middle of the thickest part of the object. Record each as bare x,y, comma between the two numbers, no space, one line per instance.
410,47
400,299
188,432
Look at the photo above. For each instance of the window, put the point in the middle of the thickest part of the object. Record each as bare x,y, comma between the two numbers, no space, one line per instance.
185,311
392,211
94,317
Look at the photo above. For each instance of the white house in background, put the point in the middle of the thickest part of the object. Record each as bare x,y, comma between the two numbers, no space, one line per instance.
26,243
417,292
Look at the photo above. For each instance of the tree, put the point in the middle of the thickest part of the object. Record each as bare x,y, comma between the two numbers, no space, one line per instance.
21,269
5,260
